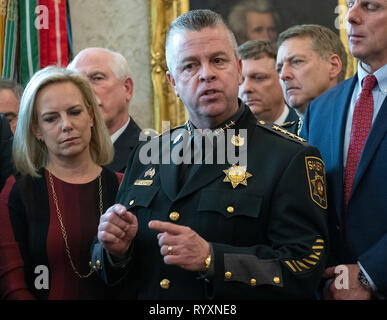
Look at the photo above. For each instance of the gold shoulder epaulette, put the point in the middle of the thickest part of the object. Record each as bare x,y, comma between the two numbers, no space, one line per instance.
281,131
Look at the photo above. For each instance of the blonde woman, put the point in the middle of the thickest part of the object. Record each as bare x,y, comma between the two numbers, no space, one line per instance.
60,146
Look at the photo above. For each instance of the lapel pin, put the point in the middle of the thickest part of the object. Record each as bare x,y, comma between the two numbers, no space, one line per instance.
150,173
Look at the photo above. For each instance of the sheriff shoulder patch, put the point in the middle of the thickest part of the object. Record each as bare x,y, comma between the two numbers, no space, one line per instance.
317,181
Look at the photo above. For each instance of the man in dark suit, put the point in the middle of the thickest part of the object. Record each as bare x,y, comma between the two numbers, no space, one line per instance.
6,168
108,73
261,89
246,220
349,126
310,60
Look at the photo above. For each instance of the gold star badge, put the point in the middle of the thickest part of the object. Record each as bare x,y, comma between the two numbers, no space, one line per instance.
236,175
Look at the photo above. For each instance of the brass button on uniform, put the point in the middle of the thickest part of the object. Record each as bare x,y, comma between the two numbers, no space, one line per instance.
228,275
131,202
253,282
165,283
276,280
230,209
174,216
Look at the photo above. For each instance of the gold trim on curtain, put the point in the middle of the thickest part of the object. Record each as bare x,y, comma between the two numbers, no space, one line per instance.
351,61
166,106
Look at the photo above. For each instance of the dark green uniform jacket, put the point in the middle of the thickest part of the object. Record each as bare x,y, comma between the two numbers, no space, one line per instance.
267,230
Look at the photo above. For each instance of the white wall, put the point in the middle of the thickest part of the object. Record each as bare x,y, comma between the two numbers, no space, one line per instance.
120,25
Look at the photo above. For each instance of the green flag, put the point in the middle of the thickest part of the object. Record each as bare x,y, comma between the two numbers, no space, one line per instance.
10,40
29,47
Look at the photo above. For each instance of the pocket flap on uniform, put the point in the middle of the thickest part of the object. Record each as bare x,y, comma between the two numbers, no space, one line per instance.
230,203
141,196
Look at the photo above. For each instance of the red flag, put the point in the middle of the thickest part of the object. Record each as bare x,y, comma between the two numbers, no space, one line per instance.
53,40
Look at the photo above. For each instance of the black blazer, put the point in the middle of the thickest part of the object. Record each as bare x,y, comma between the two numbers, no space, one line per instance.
123,146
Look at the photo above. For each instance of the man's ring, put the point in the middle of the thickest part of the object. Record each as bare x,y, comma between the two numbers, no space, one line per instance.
170,249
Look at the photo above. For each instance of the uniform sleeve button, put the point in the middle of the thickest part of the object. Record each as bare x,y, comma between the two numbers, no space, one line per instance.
253,282
228,275
165,283
230,209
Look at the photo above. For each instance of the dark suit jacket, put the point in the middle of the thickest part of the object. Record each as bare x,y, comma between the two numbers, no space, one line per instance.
365,224
269,237
123,146
292,122
6,167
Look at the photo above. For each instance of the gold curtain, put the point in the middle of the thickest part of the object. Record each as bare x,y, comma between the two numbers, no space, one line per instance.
352,62
166,106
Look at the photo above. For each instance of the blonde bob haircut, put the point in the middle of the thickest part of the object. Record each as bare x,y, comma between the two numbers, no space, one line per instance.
30,154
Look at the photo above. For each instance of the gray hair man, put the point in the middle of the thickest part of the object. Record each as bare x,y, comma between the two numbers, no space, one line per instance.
239,227
109,76
348,124
311,59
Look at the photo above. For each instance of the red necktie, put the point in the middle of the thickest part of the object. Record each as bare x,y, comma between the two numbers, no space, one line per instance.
361,125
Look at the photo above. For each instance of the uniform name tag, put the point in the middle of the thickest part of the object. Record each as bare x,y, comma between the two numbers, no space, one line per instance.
143,183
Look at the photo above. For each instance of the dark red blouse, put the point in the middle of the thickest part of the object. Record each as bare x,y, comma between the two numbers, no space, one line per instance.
79,208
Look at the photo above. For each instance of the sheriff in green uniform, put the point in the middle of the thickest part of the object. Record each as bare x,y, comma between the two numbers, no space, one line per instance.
250,229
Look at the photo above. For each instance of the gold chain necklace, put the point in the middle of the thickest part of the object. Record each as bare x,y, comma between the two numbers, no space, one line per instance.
64,233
